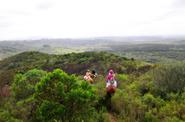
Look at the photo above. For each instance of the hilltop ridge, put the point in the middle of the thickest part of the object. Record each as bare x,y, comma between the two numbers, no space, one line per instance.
73,63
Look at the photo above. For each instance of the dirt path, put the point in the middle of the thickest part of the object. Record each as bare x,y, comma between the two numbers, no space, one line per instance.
112,117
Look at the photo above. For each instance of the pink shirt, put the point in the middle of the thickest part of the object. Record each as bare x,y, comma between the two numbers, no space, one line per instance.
110,77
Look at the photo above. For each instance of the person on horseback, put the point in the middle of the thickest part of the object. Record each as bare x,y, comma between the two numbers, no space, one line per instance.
111,83
88,76
93,74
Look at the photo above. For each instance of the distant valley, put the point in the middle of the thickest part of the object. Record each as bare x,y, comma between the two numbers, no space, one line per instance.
151,49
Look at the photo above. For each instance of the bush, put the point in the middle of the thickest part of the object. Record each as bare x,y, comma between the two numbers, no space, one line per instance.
5,116
152,102
173,119
170,78
54,96
128,106
23,85
172,109
150,117
22,90
62,97
106,117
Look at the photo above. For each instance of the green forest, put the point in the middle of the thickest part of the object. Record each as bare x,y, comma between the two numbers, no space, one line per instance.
39,87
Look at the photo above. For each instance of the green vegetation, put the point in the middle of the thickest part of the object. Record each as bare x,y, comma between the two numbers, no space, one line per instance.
41,91
151,49
170,77
152,52
78,63
53,96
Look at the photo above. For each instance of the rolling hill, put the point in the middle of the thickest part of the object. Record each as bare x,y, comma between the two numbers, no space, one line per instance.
73,63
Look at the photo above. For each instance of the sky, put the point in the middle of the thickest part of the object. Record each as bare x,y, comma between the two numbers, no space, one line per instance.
33,19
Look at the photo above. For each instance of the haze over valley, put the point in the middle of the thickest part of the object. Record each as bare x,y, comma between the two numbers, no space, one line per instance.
148,48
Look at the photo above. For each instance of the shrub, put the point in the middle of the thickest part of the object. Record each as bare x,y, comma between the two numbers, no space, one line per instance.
150,117
22,90
62,97
5,116
172,110
54,96
170,78
106,117
152,102
24,84
173,119
128,106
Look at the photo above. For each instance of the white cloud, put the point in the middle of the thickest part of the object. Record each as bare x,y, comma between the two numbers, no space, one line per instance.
21,19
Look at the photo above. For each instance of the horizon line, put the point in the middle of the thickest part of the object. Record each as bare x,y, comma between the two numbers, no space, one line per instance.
95,37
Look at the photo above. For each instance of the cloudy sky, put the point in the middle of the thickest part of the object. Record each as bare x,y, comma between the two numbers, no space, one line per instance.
30,19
